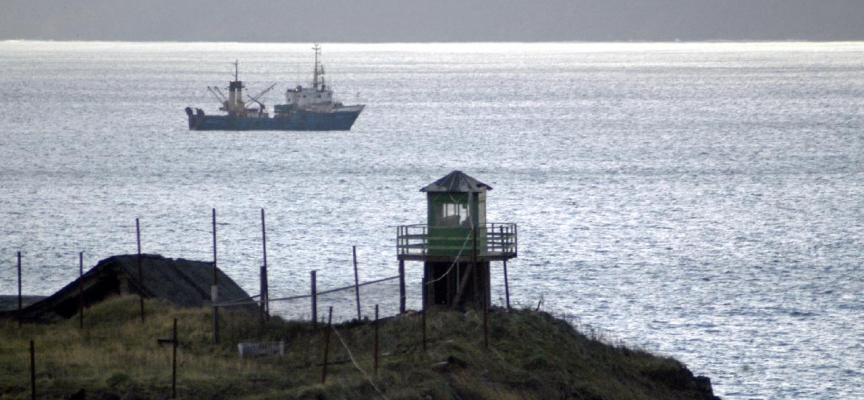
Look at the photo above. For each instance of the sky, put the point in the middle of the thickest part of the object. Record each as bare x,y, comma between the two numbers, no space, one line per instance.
432,20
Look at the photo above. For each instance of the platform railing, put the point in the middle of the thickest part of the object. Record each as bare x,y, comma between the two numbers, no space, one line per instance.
493,240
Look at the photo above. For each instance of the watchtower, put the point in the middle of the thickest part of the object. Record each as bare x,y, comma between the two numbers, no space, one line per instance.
456,244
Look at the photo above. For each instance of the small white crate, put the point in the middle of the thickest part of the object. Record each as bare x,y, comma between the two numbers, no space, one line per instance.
261,349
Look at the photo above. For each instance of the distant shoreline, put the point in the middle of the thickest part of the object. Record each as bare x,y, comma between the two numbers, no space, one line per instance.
304,43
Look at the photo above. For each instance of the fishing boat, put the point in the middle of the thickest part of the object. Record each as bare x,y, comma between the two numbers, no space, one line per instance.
311,108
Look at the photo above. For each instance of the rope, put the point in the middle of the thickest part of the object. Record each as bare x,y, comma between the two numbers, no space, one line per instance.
352,286
351,356
238,302
303,296
454,262
472,231
251,303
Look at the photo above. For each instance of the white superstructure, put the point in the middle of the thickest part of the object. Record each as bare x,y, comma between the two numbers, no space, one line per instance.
319,96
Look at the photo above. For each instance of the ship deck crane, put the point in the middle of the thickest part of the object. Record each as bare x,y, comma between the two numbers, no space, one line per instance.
255,98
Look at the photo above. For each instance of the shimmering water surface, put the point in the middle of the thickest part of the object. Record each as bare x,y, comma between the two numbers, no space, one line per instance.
703,201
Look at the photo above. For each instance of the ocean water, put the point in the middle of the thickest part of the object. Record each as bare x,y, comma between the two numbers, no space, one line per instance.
701,201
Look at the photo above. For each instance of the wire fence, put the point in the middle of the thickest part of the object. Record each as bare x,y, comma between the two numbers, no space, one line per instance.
345,301
392,294
349,302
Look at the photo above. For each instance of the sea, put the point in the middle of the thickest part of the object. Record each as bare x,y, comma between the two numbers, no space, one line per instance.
701,201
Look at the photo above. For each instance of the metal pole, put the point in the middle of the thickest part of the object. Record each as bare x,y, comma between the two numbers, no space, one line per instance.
314,303
327,346
356,281
81,290
401,286
140,272
214,290
20,299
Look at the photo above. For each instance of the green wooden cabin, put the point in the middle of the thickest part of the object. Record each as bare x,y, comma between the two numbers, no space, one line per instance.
456,244
454,208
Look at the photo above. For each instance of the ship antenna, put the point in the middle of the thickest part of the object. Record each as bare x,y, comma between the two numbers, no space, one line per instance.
315,81
236,70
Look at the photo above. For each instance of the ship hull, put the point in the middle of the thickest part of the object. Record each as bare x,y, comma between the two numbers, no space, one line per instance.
300,120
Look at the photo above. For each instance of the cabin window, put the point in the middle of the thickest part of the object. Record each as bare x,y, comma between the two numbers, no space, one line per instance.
452,215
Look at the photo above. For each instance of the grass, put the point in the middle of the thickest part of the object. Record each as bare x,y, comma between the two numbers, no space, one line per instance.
531,355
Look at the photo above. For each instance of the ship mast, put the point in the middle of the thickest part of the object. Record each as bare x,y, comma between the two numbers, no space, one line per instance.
235,93
318,77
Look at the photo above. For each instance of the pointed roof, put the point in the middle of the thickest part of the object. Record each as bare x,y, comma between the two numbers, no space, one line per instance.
456,181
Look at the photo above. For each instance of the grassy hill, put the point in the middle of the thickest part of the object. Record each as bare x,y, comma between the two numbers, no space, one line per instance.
530,355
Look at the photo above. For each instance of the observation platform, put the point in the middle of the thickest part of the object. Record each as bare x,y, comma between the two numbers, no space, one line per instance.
420,242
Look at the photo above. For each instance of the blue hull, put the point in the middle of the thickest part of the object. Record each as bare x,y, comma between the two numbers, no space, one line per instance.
298,121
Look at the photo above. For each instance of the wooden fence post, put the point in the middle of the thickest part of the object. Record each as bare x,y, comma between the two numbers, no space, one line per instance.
263,283
485,322
174,343
174,362
506,286
376,340
20,299
32,370
140,271
401,287
474,264
314,302
265,289
81,290
423,319
356,281
214,290
327,345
